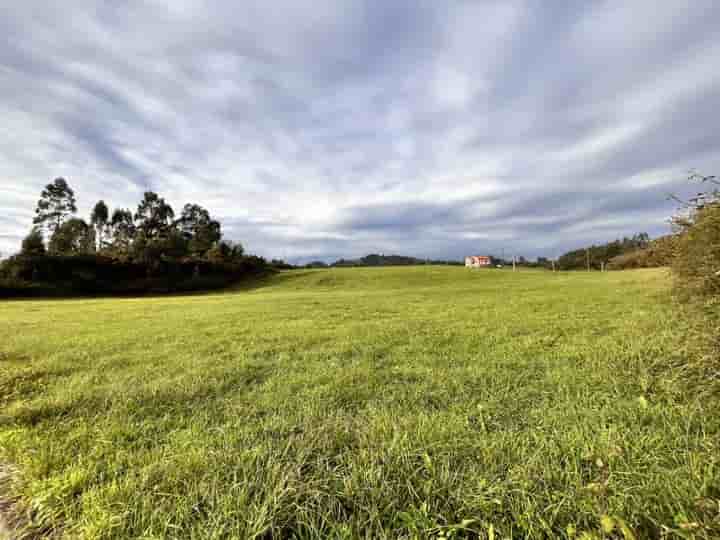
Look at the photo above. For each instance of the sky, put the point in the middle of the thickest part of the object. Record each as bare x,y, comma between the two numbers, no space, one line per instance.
333,128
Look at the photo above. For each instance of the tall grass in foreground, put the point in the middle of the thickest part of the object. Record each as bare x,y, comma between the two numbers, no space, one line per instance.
417,402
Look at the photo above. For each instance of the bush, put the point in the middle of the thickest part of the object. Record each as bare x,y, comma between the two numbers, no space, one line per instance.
696,272
659,252
696,264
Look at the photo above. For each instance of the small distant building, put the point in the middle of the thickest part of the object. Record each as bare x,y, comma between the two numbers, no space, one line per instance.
478,261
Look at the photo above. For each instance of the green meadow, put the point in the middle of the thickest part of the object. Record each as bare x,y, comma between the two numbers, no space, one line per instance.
416,402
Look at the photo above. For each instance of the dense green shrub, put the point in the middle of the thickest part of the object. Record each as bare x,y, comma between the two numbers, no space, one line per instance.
696,257
696,264
659,252
696,272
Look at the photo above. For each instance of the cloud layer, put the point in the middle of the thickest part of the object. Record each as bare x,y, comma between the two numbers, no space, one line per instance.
335,128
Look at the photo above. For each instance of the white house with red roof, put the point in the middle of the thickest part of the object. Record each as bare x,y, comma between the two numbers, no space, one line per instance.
478,261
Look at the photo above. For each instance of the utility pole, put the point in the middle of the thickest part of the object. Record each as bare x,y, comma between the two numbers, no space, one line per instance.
553,264
513,263
587,258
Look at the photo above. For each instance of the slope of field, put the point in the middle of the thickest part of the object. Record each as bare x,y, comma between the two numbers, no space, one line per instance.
376,403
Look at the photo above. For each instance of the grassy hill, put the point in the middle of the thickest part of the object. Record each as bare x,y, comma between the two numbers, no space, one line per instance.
404,402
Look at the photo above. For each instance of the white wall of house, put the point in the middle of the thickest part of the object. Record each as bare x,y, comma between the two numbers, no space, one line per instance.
477,261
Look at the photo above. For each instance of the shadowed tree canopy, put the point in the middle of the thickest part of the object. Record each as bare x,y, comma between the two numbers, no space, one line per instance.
122,230
56,204
199,229
154,216
225,251
33,243
594,256
99,219
73,237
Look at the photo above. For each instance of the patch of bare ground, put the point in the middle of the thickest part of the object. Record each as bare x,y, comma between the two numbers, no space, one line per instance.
14,524
6,504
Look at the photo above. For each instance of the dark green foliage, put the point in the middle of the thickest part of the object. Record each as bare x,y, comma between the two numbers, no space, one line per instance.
543,262
316,264
225,251
149,250
56,204
154,216
279,264
33,243
73,237
521,261
94,274
387,260
594,257
199,229
696,273
659,252
696,264
126,253
100,221
122,232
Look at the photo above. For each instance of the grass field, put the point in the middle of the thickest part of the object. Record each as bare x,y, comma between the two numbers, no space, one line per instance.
362,403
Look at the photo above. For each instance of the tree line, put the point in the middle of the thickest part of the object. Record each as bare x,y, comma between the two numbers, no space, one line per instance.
152,232
152,248
596,257
692,250
375,259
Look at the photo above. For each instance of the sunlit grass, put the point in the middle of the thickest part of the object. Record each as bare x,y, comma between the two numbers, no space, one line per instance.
362,403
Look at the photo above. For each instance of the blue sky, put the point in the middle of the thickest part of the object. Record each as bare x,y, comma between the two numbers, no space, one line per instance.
337,128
